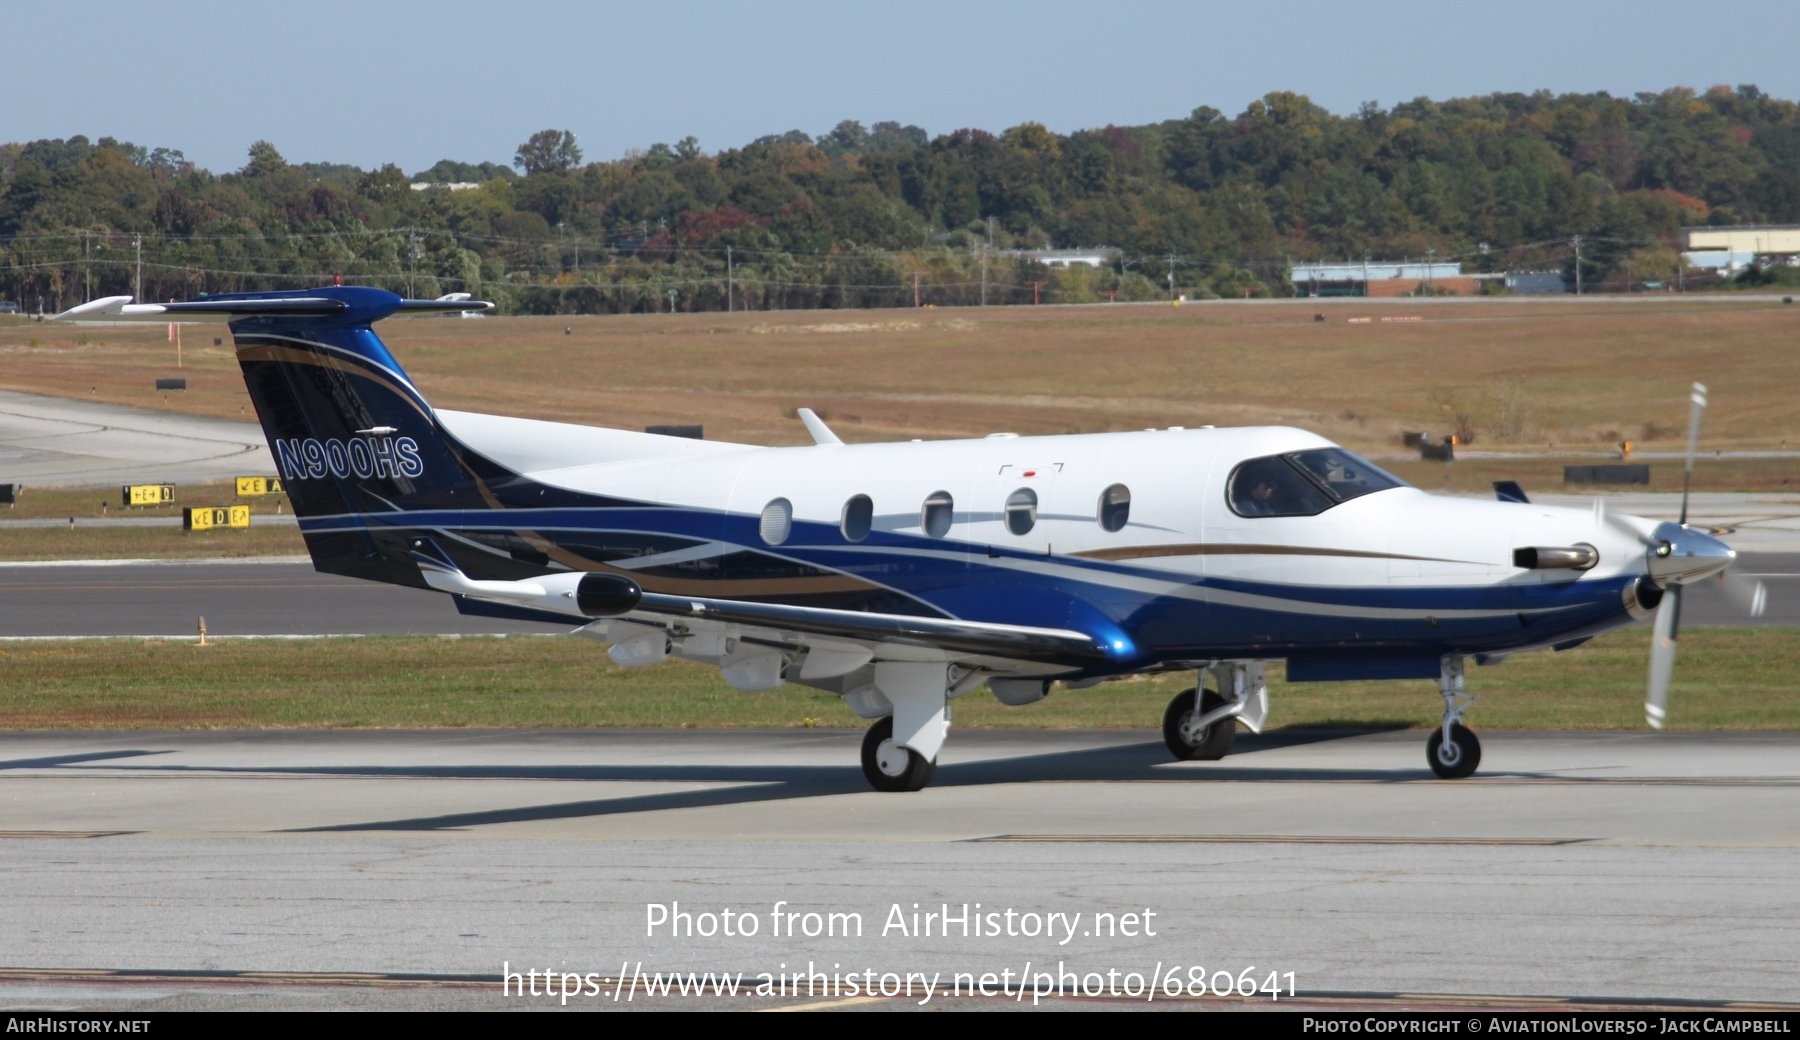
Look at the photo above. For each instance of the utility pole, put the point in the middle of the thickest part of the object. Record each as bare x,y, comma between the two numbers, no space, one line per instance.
137,244
1430,256
729,275
87,266
1578,265
1171,259
916,302
1034,292
984,260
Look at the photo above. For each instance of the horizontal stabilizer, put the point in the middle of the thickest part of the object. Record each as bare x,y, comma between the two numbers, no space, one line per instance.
324,303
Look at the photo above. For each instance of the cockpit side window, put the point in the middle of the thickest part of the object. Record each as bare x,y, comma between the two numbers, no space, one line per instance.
1344,475
1271,487
1303,483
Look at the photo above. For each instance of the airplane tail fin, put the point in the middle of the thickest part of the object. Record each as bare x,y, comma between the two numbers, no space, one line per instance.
349,434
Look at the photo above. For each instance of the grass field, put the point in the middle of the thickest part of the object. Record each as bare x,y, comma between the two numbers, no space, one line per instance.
85,541
1728,679
1557,378
154,543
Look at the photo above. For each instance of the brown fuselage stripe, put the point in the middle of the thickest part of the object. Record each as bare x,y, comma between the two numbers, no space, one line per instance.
1144,552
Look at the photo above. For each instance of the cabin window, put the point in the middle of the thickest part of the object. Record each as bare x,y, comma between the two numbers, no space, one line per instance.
1115,508
777,521
1021,511
859,517
935,517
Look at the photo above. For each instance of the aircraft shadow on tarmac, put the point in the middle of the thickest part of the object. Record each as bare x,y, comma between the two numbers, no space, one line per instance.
54,761
748,784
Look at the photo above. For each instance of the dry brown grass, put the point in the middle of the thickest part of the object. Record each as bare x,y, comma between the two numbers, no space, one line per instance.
1565,377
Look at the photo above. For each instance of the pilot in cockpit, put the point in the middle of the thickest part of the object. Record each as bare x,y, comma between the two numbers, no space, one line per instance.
1256,490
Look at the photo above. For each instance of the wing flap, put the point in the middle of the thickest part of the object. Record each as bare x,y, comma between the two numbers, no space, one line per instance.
563,595
1063,647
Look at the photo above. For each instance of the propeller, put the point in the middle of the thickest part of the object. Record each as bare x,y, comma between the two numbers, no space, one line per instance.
1680,555
1746,594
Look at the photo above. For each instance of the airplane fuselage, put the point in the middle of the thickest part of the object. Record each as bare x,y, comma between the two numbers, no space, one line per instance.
1128,536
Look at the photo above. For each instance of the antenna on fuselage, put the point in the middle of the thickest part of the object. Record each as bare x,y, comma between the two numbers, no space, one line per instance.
821,433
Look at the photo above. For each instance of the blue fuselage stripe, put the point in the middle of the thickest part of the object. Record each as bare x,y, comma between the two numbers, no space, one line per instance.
1168,615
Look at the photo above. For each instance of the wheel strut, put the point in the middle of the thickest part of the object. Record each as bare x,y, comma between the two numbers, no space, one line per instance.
1453,751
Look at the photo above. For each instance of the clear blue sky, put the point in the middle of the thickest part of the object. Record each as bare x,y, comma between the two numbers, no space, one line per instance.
411,83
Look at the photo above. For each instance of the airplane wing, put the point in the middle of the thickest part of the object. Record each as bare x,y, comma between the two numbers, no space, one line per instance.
588,597
1013,642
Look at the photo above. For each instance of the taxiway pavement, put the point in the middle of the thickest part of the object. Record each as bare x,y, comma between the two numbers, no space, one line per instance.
1633,868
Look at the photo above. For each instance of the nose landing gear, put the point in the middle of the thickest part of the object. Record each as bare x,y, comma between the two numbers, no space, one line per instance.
1453,751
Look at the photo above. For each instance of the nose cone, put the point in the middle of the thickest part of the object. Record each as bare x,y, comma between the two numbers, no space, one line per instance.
1681,554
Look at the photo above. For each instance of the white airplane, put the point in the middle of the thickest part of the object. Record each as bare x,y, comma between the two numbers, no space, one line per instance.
903,576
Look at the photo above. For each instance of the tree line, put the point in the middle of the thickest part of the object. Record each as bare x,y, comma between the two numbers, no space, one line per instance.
887,215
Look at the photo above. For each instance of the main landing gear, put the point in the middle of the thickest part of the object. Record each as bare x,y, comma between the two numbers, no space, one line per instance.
1452,750
891,767
1201,723
1187,737
910,703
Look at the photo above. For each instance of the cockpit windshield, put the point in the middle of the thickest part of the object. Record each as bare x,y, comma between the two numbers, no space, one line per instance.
1304,483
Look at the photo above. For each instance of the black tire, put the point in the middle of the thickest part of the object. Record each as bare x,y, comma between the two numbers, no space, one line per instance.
912,774
1207,745
1456,759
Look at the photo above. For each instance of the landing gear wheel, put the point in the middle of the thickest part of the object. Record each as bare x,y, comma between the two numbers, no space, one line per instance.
1188,742
1456,758
889,766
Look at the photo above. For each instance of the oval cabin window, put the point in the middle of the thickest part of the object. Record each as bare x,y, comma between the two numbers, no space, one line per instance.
935,517
859,517
777,521
1115,507
1021,511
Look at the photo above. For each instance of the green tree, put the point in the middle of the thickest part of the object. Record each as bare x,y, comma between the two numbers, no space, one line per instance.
264,160
548,151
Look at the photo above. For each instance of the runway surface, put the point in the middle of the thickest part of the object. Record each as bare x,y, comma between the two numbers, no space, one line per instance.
248,597
1641,869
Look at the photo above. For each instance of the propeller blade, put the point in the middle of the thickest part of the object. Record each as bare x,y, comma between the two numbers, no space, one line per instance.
1662,658
1687,479
1624,524
1747,594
